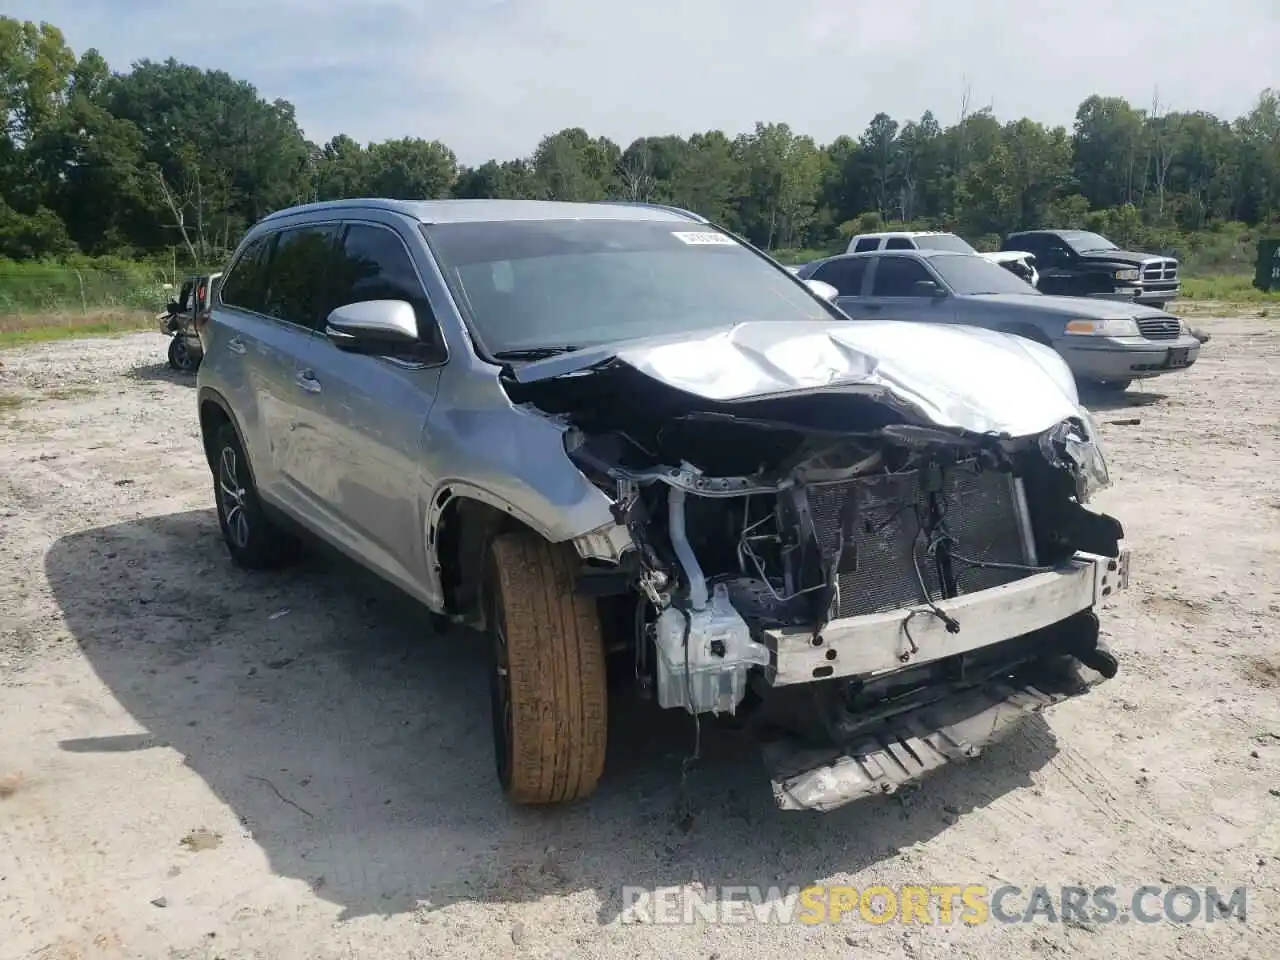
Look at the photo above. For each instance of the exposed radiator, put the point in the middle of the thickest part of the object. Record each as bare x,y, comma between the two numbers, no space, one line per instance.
890,548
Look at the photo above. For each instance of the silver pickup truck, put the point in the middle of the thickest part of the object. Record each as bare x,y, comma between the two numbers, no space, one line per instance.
601,431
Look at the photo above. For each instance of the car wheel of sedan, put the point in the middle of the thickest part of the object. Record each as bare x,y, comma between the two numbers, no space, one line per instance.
547,672
253,540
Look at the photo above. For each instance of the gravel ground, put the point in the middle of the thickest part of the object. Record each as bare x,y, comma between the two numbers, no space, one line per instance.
200,763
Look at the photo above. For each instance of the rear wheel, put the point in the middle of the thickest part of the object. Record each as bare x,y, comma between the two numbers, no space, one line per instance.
547,678
181,355
253,540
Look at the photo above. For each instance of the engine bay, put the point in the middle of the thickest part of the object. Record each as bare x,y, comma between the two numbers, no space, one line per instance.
803,510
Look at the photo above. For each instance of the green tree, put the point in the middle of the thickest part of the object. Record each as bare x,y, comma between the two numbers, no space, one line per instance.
570,165
710,180
511,179
1109,152
410,169
783,174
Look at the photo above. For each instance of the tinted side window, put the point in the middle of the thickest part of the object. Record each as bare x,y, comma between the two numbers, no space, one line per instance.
845,275
899,243
246,285
298,288
1055,251
895,277
374,264
1033,244
867,243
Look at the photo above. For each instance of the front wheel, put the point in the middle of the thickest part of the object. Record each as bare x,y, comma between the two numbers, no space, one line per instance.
547,672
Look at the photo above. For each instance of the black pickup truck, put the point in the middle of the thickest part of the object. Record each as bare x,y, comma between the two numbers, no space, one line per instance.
1077,263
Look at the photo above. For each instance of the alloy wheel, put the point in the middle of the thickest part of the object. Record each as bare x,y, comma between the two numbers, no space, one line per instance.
231,496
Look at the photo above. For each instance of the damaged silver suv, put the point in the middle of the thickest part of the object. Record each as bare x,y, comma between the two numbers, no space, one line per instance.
615,430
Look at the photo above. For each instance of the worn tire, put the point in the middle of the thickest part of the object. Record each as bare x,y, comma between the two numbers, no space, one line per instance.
549,746
257,543
181,356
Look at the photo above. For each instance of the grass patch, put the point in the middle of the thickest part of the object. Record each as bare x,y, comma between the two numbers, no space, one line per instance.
1230,288
19,328
9,402
69,393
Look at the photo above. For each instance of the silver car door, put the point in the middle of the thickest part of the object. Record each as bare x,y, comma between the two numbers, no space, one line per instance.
894,295
294,298
234,344
366,414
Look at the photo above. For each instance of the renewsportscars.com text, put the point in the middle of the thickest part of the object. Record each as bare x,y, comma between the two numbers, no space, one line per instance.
935,904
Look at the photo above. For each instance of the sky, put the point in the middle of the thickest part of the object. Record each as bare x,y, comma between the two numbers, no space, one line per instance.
490,78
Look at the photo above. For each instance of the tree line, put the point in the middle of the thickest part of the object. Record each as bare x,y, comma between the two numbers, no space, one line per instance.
167,155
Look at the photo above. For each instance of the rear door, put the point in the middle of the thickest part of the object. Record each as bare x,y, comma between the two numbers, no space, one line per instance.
297,292
847,275
236,355
364,416
893,295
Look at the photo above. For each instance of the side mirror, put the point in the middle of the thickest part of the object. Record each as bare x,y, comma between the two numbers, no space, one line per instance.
374,327
928,288
825,290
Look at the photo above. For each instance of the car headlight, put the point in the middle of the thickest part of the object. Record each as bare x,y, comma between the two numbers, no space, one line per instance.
1080,451
1110,327
1127,274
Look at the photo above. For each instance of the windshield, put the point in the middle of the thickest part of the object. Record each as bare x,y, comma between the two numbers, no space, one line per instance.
1082,241
944,241
543,286
971,276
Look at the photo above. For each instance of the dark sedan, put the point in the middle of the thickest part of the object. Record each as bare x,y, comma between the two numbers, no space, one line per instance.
1105,343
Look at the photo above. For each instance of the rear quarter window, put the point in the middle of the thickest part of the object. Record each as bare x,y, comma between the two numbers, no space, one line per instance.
245,285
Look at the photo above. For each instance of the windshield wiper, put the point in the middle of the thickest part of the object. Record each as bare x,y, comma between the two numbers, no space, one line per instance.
535,353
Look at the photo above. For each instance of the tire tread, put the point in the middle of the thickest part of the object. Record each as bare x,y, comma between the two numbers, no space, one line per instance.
556,669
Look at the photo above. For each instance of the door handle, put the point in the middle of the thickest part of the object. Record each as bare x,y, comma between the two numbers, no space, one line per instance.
235,345
307,381
874,306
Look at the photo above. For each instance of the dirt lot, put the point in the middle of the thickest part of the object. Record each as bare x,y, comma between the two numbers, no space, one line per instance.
199,763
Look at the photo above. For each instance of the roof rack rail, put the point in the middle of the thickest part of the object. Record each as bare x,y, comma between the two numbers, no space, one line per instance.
688,214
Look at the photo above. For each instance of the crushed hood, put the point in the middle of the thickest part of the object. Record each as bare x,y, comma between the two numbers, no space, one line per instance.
960,377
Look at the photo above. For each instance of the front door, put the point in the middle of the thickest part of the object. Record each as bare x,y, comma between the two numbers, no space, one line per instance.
1056,263
365,415
894,295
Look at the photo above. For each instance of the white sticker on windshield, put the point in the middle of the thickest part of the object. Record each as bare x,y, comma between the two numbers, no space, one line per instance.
705,237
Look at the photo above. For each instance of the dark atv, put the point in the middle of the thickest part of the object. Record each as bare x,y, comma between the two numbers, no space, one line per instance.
183,318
